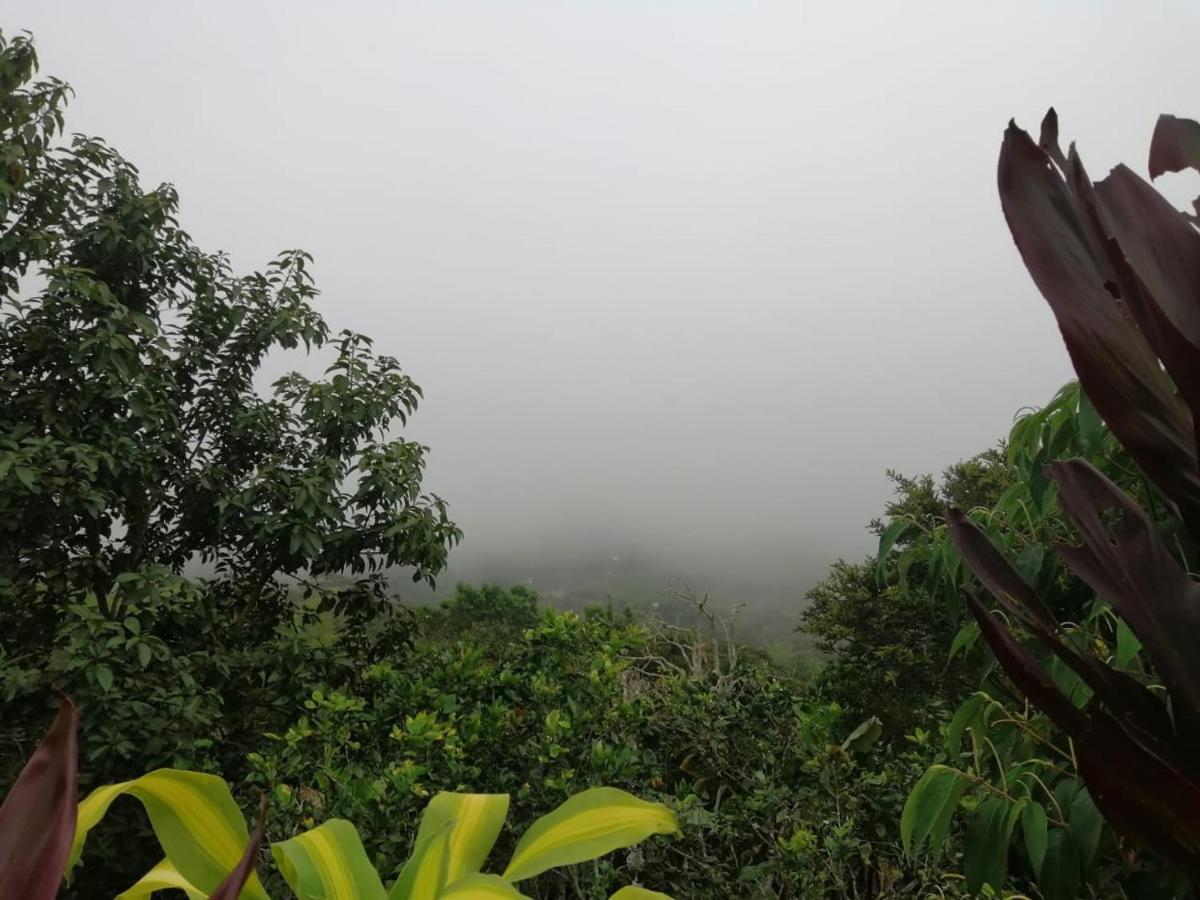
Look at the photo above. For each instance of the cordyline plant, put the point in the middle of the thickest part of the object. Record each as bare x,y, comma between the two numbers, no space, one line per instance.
1120,268
209,852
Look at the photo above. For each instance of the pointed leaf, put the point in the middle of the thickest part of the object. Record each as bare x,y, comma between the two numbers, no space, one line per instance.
37,819
478,819
1033,829
1059,879
424,875
587,826
930,806
985,847
633,892
328,863
1085,824
194,817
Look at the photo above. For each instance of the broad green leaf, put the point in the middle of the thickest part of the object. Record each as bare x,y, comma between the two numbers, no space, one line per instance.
1059,878
1128,646
638,893
424,875
477,819
200,828
162,877
864,736
1085,824
929,809
1033,827
328,863
481,887
965,639
985,847
969,715
585,827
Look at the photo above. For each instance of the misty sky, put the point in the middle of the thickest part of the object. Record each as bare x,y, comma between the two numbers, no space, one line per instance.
682,276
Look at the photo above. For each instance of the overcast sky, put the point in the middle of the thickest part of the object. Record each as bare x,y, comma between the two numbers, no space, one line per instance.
681,275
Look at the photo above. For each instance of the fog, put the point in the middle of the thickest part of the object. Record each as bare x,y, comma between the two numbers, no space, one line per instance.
680,280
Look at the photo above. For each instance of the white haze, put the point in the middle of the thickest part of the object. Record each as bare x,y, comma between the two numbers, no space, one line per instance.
679,279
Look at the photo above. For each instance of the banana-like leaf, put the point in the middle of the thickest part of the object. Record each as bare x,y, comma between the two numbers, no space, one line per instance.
424,875
37,819
162,877
633,892
235,881
477,819
195,818
481,887
328,863
587,826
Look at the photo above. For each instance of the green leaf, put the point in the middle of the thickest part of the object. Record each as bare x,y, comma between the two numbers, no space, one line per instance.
477,820
966,638
985,848
1085,824
481,887
328,863
887,540
864,736
633,892
1033,828
200,828
1128,646
929,809
969,715
587,826
1059,878
104,677
424,875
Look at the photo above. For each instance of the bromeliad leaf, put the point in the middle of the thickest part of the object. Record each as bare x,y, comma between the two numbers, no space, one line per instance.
37,819
477,819
194,817
328,863
587,826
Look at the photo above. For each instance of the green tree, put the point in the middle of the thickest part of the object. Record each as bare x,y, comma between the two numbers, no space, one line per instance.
138,449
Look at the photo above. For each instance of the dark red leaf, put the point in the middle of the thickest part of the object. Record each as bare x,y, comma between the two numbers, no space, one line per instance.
1121,693
37,820
236,880
1175,145
1128,565
1048,139
1060,236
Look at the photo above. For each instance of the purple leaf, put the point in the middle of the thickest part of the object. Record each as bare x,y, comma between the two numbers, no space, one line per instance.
37,820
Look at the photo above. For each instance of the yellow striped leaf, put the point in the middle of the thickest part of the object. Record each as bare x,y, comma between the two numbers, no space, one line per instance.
481,887
633,892
585,827
424,875
194,816
162,877
328,863
477,819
